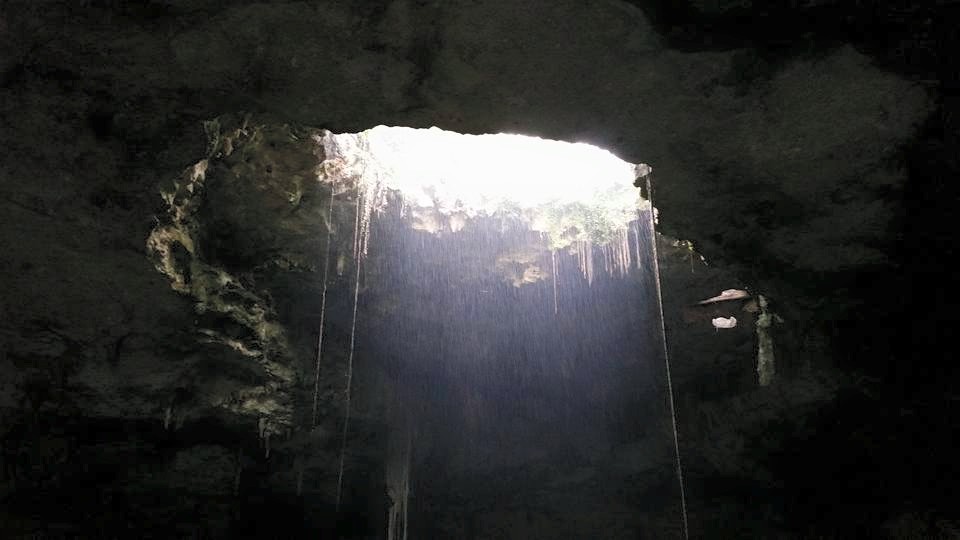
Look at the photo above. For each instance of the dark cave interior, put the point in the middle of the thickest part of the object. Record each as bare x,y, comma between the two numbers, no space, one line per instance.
158,333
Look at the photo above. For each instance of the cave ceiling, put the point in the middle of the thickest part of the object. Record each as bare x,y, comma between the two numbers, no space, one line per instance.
779,153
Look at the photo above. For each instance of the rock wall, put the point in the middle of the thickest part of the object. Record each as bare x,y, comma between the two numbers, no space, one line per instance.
794,169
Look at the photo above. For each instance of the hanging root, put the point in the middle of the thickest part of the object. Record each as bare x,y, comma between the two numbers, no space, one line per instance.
666,359
398,482
323,309
556,276
353,335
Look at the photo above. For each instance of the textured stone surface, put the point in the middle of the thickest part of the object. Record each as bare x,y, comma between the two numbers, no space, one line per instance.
805,158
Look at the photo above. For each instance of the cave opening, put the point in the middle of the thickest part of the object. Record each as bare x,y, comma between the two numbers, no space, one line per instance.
496,298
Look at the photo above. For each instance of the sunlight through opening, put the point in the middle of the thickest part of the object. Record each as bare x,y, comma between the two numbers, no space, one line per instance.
499,262
571,192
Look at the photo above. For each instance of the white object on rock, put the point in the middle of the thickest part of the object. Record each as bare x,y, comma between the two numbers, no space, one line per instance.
729,294
724,322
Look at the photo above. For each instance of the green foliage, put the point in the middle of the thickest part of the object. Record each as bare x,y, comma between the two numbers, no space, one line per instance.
596,221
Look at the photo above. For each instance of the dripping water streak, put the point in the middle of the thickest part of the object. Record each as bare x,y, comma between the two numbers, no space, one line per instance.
625,251
323,308
353,335
372,184
589,257
636,229
666,359
585,259
556,304
356,225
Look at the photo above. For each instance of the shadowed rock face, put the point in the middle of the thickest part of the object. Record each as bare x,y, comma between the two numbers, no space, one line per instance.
158,323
